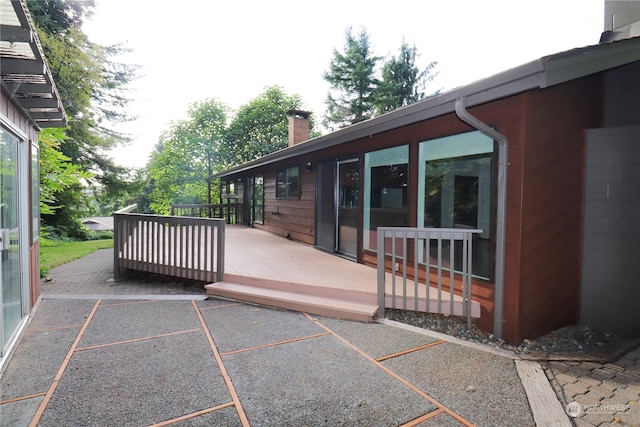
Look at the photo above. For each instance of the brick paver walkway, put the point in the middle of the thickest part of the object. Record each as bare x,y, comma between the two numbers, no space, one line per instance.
608,394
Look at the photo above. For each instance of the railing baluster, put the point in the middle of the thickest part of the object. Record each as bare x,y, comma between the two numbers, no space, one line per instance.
422,253
393,266
404,271
451,268
439,273
416,270
169,245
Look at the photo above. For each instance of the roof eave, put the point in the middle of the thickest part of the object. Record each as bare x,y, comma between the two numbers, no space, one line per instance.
538,74
27,81
508,83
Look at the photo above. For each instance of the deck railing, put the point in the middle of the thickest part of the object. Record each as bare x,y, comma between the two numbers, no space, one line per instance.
230,212
190,248
444,254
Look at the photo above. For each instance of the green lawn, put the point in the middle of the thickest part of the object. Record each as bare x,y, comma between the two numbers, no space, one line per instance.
55,253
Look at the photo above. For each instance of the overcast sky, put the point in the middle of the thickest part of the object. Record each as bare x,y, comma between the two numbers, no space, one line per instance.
192,50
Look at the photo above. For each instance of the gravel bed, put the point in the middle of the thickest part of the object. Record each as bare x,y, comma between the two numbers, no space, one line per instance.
570,339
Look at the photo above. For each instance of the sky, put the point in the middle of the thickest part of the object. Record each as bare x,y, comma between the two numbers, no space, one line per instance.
193,50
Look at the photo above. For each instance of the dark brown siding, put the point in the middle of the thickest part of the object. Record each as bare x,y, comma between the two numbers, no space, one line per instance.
544,199
295,217
506,115
552,212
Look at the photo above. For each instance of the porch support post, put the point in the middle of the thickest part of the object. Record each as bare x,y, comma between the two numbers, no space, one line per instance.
501,222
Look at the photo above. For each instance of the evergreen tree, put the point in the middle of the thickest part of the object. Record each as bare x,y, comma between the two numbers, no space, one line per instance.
92,90
402,82
353,83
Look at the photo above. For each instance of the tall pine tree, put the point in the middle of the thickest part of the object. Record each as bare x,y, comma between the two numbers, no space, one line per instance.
353,84
402,82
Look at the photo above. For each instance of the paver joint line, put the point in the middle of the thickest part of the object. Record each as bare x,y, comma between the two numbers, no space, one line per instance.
193,415
233,304
92,347
19,398
411,350
258,347
425,417
394,375
225,374
63,367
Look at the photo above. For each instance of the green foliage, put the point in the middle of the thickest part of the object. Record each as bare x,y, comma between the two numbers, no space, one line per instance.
260,127
402,82
133,189
352,78
92,89
193,150
186,157
356,93
57,16
54,253
57,173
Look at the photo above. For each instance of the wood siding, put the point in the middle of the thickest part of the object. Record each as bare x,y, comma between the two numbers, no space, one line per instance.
552,203
294,218
545,130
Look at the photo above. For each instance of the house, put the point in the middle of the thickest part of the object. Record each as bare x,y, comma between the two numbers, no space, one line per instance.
98,223
543,158
29,102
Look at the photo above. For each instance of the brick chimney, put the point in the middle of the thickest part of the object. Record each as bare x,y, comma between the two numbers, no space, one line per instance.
298,126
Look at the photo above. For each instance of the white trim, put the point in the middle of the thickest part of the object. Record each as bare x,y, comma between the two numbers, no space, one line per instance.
24,220
13,128
12,344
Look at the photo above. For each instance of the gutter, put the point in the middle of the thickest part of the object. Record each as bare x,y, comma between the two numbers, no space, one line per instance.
501,223
538,74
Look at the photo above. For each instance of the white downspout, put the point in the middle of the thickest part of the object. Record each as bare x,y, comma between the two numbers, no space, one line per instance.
501,223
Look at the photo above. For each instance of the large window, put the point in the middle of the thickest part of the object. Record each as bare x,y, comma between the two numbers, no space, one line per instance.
455,190
288,183
385,191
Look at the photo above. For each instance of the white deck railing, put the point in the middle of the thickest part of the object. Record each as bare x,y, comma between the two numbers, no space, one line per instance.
421,250
189,248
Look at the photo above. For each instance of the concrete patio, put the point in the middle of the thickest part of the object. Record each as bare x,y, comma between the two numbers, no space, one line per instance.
99,352
152,351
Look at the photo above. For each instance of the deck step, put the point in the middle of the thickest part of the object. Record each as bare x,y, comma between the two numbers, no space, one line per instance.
312,304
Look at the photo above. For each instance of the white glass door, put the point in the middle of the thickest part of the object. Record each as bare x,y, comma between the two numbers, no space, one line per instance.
10,278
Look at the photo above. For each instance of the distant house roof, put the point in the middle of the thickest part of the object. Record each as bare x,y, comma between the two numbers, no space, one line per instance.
541,73
25,74
99,223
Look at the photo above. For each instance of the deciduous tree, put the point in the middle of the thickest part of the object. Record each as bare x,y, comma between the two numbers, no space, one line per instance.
186,157
260,126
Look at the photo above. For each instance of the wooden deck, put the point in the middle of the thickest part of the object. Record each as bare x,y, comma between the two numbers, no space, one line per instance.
264,268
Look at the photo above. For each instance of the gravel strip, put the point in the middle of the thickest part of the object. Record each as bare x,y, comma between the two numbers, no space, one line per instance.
570,339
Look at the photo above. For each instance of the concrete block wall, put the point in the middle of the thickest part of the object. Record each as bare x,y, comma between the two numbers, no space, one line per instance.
610,294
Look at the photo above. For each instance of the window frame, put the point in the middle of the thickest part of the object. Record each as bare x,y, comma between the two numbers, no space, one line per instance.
285,189
395,156
467,146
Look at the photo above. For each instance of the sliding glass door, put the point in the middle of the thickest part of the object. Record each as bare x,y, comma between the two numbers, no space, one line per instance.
10,266
337,206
